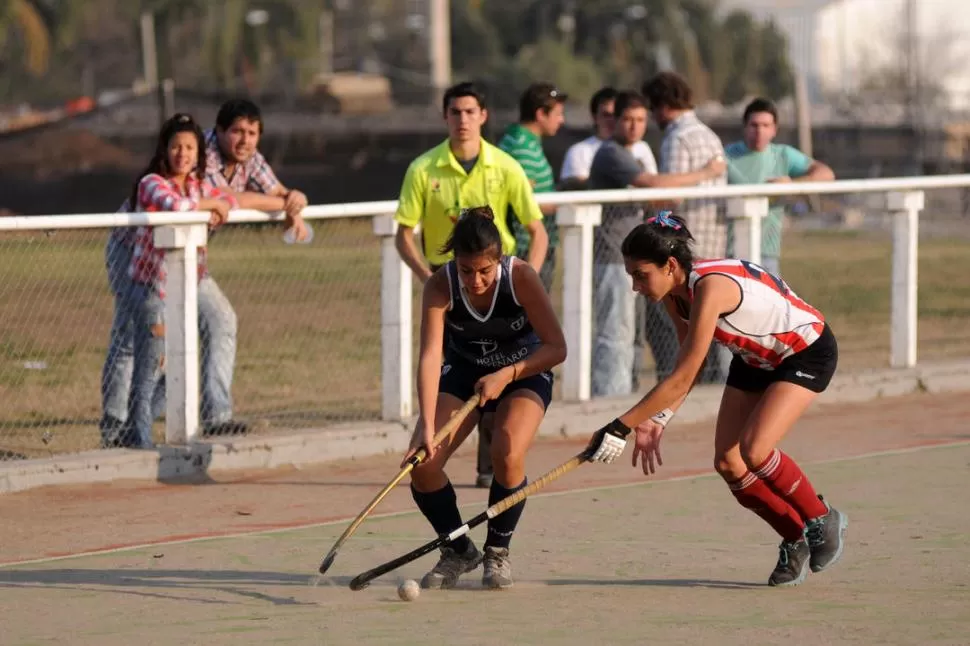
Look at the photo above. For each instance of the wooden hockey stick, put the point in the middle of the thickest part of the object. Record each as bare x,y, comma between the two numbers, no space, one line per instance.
363,580
448,429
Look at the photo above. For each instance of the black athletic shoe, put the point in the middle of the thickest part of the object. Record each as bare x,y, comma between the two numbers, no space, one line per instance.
826,536
792,566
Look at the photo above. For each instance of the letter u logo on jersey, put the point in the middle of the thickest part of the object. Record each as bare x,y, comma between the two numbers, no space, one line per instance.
518,323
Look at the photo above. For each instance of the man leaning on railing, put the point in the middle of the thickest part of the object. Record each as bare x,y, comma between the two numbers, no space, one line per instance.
757,159
233,162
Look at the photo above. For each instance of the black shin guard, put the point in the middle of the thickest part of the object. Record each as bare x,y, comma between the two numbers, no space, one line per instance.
441,509
501,527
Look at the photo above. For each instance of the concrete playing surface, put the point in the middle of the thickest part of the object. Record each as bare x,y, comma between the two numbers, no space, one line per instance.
623,561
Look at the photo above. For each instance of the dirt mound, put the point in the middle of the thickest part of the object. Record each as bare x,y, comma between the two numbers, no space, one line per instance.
54,152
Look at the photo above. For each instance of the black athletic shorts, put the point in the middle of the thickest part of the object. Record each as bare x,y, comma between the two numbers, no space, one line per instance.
811,368
458,378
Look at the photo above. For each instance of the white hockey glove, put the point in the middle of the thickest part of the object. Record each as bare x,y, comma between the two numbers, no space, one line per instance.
608,443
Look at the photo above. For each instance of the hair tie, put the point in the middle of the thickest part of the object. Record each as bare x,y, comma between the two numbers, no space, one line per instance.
663,219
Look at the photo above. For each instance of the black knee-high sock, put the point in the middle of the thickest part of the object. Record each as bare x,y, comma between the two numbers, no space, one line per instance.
441,509
501,527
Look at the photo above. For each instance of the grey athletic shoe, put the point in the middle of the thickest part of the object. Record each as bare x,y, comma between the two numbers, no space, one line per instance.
450,566
792,566
498,568
826,535
484,480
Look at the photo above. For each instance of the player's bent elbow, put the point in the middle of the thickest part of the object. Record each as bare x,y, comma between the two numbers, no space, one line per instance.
559,353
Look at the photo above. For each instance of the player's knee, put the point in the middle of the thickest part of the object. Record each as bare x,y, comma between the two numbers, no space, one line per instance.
754,452
728,466
427,476
508,459
507,456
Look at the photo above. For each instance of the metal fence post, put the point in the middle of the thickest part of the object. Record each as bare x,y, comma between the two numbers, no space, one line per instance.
747,213
576,233
181,243
905,207
396,325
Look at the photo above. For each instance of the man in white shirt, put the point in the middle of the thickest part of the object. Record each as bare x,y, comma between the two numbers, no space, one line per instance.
579,157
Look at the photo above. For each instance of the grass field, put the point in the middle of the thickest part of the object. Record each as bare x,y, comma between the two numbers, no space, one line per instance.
669,562
309,322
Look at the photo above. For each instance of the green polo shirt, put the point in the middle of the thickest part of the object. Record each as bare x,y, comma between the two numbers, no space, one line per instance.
436,188
747,166
526,148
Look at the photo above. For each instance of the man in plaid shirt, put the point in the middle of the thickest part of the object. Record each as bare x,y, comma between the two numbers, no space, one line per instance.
233,162
688,144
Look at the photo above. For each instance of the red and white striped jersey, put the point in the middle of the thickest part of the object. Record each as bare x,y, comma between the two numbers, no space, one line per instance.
771,323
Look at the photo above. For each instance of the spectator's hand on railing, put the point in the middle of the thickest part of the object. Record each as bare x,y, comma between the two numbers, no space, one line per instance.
294,202
716,167
219,213
296,224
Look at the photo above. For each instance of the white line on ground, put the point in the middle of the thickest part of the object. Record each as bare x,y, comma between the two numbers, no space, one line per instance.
393,514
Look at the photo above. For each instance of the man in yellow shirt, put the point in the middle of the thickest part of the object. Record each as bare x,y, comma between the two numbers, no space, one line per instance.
462,172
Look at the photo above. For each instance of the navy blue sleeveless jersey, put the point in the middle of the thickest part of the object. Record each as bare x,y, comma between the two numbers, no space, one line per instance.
496,339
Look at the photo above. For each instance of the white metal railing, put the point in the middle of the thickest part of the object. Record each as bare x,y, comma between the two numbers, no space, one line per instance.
578,214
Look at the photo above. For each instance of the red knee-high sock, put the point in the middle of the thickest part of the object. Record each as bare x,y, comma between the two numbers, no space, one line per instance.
786,479
751,493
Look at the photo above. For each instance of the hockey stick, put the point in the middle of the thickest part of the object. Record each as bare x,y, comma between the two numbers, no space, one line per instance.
450,427
363,580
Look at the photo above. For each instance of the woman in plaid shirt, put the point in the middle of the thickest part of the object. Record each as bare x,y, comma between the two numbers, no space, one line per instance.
173,181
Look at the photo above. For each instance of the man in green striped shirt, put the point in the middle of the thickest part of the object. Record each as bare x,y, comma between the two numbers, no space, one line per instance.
540,115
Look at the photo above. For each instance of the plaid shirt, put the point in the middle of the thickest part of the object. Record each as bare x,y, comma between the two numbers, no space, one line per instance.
156,193
688,146
254,174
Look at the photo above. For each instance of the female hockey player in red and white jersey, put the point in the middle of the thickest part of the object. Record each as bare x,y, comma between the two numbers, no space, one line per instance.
784,355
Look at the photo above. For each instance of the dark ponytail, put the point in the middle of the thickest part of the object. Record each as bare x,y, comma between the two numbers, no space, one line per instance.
475,233
660,238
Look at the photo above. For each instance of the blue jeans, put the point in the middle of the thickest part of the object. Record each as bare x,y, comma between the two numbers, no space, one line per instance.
117,369
655,329
116,374
218,327
217,343
148,335
614,319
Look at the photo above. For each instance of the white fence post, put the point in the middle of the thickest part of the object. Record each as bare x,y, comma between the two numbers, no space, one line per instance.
396,371
905,207
181,244
747,213
576,234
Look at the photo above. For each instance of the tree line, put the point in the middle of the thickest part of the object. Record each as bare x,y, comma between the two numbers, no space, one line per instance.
52,50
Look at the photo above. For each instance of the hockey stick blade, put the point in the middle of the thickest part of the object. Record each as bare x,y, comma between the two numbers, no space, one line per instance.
450,427
363,580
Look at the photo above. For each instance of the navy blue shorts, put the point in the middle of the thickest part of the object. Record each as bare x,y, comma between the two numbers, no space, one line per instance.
458,378
812,368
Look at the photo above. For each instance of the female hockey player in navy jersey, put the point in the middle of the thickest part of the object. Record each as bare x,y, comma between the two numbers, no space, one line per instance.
503,339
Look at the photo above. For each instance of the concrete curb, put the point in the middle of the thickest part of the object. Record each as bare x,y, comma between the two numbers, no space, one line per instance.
374,438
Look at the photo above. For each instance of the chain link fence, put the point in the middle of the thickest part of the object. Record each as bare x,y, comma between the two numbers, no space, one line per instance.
307,345
634,342
308,316
838,255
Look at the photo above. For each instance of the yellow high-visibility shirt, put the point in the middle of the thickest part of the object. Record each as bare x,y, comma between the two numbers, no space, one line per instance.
436,188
